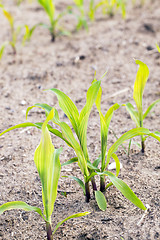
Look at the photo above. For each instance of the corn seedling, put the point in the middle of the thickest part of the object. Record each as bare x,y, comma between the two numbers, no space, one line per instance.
82,21
47,161
92,10
137,115
109,6
49,8
28,33
14,31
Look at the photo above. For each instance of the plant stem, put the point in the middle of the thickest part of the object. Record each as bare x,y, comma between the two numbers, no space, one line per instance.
142,144
93,184
49,231
102,184
88,196
142,138
52,37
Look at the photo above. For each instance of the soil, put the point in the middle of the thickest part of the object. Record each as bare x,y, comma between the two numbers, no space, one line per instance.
69,64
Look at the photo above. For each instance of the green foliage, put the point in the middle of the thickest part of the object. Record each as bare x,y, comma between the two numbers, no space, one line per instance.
137,115
110,6
79,122
82,21
50,10
28,33
100,198
158,48
2,48
47,161
15,32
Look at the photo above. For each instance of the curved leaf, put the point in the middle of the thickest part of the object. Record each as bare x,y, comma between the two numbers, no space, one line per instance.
20,205
21,125
44,106
150,108
156,135
70,217
128,135
72,160
79,181
101,200
68,107
140,82
125,190
114,156
133,113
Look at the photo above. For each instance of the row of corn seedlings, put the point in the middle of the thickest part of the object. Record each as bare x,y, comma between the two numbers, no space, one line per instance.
47,158
85,13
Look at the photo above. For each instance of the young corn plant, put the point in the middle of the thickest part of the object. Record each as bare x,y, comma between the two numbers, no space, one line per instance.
47,161
109,6
82,21
137,115
50,9
28,33
14,31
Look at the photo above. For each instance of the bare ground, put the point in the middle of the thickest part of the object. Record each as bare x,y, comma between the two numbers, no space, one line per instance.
110,44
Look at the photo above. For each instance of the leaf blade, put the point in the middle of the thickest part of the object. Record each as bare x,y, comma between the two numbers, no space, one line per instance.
70,217
101,200
20,205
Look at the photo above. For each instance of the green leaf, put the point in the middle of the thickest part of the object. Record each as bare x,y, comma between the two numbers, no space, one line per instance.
105,122
84,116
114,156
140,82
158,48
97,161
156,135
91,166
79,181
44,106
133,113
91,175
90,99
48,165
125,190
49,8
150,108
72,160
22,125
9,18
68,135
2,49
68,108
70,217
128,135
20,205
101,200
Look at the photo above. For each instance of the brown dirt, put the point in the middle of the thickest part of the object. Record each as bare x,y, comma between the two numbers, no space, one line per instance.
110,44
